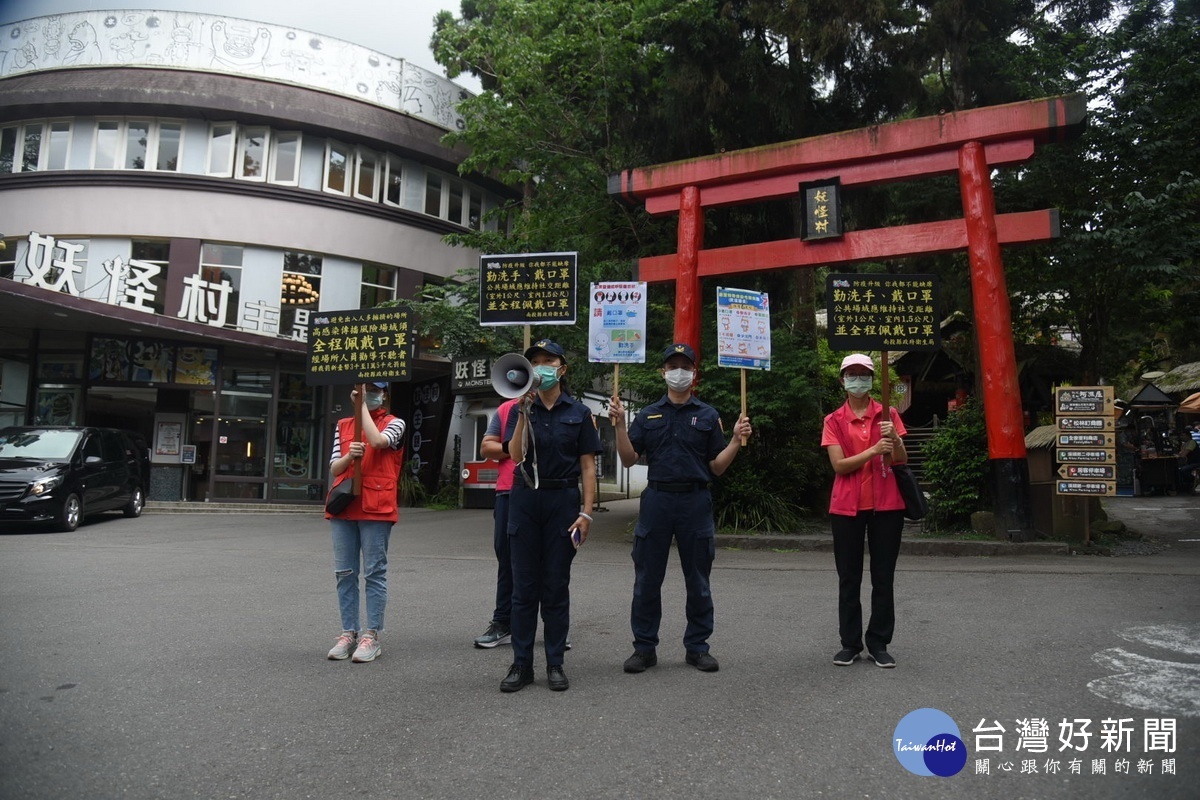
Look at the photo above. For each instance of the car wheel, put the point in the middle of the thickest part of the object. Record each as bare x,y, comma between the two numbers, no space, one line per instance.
71,513
137,501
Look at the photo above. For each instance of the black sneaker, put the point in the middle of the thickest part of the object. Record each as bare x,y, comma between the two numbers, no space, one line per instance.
846,656
557,678
519,676
882,658
495,635
703,662
641,660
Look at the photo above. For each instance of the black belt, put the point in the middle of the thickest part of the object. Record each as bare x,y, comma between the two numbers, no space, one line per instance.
677,487
550,483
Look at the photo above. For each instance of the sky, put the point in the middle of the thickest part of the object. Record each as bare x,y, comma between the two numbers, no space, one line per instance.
399,28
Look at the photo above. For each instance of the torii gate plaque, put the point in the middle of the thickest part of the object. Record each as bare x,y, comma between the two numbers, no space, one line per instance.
969,143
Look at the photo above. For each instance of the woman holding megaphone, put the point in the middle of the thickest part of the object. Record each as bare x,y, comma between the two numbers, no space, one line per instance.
554,443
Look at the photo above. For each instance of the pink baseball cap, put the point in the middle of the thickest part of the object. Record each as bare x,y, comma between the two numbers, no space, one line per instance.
857,359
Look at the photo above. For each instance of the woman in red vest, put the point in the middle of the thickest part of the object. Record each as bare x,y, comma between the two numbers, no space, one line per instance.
362,529
862,441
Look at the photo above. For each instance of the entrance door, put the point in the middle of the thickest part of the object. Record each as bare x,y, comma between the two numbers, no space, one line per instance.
240,450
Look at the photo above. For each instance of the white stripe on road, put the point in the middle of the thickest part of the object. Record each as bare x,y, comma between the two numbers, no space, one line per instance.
1152,684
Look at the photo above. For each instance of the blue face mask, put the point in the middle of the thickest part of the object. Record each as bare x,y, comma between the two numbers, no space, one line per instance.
373,400
549,376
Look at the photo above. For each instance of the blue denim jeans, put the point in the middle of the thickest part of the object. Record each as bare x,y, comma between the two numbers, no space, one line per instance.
365,543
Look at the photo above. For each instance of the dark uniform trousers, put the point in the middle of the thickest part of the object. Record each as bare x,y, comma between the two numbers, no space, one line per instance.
541,552
688,517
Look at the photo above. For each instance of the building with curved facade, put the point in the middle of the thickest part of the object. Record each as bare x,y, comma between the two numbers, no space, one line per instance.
179,194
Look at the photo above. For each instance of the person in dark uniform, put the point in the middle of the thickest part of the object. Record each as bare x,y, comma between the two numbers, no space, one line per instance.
685,448
553,441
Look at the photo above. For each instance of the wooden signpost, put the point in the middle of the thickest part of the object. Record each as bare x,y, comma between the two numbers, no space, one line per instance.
1085,445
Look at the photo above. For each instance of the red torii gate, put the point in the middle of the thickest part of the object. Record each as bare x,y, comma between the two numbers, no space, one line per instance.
969,143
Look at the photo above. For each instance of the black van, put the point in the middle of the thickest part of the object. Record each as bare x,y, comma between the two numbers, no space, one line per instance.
60,474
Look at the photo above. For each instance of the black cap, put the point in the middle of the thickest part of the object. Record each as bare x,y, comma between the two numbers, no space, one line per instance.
553,348
679,349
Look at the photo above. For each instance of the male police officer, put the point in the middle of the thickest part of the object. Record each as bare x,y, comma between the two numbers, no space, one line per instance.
685,448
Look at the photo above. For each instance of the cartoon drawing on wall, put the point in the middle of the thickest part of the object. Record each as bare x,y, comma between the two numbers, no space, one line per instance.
183,41
149,361
238,46
301,64
23,58
197,366
130,46
225,44
56,406
52,38
108,361
431,96
82,46
388,92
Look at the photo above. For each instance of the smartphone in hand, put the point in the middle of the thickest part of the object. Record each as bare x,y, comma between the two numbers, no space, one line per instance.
576,537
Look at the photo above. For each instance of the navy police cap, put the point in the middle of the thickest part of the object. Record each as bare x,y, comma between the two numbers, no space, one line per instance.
679,349
553,348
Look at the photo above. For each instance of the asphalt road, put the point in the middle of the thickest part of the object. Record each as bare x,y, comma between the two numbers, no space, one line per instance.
182,656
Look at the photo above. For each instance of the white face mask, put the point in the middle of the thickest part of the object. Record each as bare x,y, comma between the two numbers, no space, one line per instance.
858,385
680,379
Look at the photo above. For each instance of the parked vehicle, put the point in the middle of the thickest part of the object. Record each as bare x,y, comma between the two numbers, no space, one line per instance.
59,475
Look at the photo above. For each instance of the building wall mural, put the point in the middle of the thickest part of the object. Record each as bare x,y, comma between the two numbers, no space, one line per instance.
184,40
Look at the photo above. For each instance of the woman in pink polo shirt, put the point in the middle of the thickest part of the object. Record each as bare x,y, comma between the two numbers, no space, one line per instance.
862,443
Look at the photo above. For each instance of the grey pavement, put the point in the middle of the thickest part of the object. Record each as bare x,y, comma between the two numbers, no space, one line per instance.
182,656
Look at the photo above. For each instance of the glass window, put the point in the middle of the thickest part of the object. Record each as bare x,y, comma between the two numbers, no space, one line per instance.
366,179
222,263
60,141
170,139
92,447
300,293
336,158
137,139
285,158
108,142
299,452
393,181
33,148
378,285
8,258
475,215
8,149
158,253
252,154
220,148
433,194
454,212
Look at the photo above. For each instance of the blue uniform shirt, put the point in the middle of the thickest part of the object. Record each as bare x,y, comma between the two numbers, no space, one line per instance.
678,441
561,435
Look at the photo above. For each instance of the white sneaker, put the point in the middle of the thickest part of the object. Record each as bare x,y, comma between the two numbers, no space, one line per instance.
344,647
368,648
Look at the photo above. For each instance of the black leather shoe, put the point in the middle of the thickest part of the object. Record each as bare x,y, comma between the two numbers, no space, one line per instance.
557,678
519,676
703,662
641,661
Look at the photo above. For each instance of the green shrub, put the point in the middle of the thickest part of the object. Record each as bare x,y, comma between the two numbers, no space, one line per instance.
956,469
